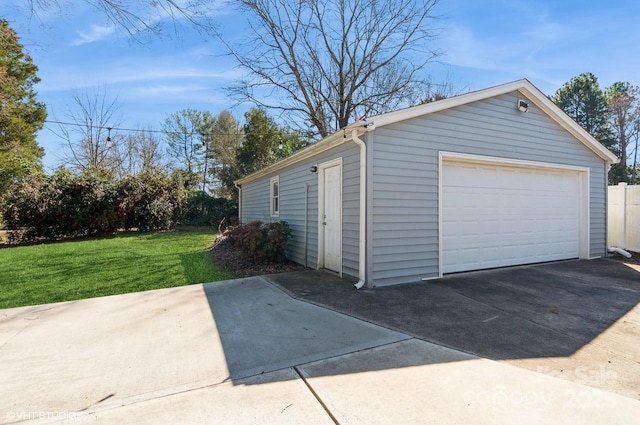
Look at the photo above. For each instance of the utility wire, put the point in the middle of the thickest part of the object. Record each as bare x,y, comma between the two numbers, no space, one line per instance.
140,130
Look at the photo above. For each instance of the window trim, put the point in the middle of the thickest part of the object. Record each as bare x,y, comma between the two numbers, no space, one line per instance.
274,200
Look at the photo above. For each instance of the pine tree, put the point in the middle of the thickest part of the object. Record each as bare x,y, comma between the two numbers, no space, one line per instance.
584,101
21,115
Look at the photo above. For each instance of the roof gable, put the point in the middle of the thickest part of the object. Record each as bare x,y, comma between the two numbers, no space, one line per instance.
524,87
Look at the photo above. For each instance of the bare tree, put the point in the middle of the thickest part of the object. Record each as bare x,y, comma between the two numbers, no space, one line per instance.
624,106
185,133
634,169
148,151
88,132
443,89
140,152
139,16
331,61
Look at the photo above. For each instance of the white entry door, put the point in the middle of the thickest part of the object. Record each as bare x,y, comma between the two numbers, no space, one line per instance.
331,217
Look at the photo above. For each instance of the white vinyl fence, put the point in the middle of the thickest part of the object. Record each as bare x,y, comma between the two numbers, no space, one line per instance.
624,217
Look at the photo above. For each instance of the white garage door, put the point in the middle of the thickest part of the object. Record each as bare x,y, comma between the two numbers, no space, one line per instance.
496,215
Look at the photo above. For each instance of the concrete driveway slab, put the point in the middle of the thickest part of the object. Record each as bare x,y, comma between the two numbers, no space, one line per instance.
380,386
262,329
279,397
95,355
77,356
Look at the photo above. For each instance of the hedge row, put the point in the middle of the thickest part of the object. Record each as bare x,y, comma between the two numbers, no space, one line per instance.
66,205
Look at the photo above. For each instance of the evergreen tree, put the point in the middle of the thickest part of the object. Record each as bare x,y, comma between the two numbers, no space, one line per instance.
264,142
224,138
584,101
21,115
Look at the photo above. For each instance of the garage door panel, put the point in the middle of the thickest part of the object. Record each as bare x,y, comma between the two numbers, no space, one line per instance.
496,215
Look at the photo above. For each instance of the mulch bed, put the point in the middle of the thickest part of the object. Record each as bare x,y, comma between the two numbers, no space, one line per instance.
234,261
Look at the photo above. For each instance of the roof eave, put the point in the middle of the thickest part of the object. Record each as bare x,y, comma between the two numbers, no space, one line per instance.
523,86
323,145
448,103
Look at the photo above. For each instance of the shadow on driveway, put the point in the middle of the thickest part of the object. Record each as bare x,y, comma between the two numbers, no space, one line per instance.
542,311
548,310
262,329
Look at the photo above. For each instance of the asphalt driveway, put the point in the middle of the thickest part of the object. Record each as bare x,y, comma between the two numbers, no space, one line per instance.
577,320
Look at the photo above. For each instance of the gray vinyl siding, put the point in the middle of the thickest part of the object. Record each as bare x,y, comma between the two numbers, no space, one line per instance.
403,174
255,202
255,206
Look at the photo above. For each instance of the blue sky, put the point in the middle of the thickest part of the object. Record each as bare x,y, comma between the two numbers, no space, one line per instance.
485,42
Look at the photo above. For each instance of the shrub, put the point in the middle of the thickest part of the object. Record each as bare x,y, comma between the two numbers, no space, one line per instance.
85,204
277,240
147,201
267,242
21,209
248,238
205,210
63,205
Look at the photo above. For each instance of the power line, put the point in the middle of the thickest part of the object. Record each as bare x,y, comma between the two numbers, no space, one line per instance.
140,130
74,124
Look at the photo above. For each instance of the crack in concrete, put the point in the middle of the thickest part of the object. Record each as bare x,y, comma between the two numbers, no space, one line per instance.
316,396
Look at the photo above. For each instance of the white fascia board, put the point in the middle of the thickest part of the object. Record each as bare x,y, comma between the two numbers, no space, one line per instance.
448,103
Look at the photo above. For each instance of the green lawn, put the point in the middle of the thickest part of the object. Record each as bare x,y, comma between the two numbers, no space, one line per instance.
132,262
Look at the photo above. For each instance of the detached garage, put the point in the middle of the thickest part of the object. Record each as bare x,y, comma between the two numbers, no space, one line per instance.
493,178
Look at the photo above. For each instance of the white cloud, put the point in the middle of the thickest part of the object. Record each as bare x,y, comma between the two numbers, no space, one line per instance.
67,79
168,91
151,72
96,33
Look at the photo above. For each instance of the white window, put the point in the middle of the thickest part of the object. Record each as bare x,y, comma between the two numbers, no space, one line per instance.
275,196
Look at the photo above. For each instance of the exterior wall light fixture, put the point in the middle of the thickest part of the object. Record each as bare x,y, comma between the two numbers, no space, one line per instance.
523,106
